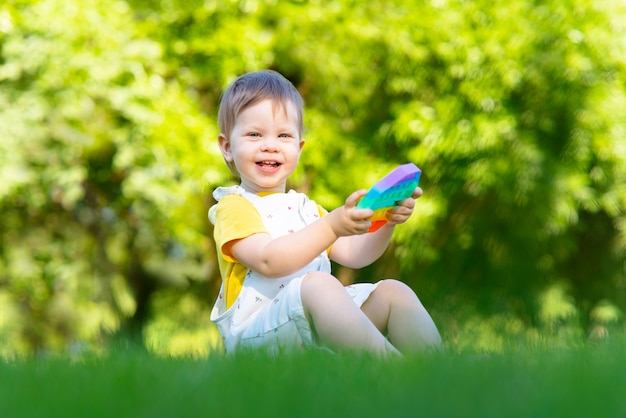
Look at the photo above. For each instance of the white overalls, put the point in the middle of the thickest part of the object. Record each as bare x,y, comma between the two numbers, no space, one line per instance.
268,312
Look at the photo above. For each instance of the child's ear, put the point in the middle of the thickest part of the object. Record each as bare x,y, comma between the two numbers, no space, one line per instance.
302,141
227,153
224,145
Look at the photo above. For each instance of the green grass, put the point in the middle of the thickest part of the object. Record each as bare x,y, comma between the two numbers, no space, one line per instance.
581,382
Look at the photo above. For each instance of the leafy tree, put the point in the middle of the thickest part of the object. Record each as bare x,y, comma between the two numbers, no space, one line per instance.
514,111
102,165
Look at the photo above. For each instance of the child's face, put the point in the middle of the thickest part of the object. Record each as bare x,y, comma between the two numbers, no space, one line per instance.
264,146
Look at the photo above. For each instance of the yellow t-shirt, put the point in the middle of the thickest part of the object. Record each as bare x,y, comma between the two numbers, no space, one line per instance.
235,219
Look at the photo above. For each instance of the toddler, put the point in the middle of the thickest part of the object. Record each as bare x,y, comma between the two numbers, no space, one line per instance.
274,246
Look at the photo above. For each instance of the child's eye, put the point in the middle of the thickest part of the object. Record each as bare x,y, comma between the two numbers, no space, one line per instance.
254,134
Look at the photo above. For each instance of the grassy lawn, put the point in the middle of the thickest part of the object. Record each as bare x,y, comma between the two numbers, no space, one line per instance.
580,382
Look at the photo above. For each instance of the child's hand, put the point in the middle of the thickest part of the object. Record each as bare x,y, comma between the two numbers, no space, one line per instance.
348,219
403,210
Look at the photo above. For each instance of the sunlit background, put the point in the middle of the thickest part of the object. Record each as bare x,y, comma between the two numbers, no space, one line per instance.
514,111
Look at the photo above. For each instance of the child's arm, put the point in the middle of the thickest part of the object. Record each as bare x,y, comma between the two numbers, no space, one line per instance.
287,254
358,251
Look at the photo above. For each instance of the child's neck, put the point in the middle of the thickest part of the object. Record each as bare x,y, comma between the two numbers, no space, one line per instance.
262,191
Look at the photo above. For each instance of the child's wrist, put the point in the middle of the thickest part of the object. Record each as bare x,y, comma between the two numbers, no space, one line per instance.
328,221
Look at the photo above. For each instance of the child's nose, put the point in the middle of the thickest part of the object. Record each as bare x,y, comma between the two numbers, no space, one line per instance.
270,144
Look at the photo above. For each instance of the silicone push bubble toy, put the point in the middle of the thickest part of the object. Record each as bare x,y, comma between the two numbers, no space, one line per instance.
384,195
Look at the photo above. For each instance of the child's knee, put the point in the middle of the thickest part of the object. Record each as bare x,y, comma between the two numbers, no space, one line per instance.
319,280
394,286
395,290
317,285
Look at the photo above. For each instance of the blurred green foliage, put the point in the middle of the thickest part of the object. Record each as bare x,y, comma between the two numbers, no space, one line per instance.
516,113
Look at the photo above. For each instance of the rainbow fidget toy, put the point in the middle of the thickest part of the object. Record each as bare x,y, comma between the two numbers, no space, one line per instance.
395,186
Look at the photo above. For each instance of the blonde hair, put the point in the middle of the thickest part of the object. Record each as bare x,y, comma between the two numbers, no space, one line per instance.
251,88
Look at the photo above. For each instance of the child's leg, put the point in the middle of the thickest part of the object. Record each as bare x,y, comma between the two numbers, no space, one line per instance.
336,319
396,311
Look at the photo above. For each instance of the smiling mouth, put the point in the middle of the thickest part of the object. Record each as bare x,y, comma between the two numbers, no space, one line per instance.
268,164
